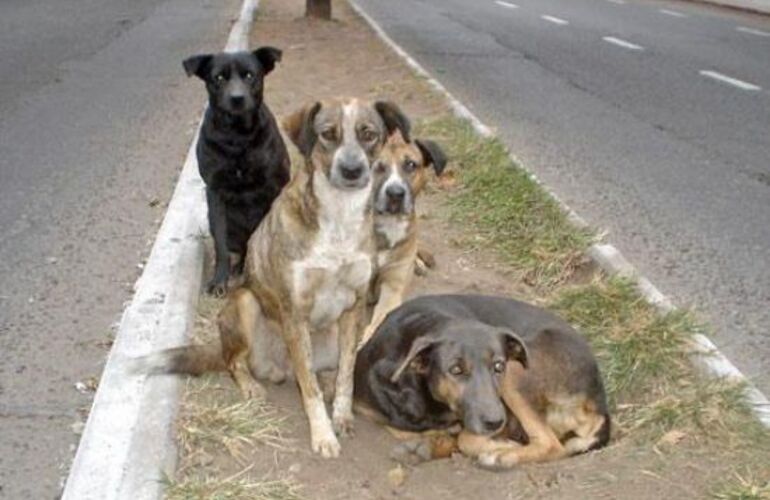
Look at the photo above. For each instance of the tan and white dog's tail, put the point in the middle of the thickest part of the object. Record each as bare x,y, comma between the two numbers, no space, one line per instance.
191,360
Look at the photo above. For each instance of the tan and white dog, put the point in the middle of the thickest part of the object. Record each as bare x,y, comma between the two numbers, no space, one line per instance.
400,174
309,267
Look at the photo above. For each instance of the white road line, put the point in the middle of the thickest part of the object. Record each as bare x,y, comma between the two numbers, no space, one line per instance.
507,4
555,20
619,2
730,80
752,31
672,13
622,43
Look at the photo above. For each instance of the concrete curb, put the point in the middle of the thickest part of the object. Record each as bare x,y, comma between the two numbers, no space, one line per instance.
755,6
128,442
606,256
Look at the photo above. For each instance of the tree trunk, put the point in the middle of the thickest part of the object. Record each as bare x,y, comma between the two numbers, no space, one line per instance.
321,9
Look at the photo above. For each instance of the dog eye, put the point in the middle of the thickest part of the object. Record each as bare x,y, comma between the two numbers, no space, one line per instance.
380,167
409,166
368,135
498,367
329,135
248,76
456,370
219,78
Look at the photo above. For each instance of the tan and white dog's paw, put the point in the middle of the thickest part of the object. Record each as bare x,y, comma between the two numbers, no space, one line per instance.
325,444
343,425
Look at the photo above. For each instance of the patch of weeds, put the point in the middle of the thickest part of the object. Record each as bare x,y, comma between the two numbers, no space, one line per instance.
207,421
637,347
505,208
232,488
744,486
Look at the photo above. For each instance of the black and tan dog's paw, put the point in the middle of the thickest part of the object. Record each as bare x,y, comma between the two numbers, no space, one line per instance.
412,452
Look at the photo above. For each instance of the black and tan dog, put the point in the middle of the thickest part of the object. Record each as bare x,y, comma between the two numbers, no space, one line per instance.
241,155
308,270
516,382
400,174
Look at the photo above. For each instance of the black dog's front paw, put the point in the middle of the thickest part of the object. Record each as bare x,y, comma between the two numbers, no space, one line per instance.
217,287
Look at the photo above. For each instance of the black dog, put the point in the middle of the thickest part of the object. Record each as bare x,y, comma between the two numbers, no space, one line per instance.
241,155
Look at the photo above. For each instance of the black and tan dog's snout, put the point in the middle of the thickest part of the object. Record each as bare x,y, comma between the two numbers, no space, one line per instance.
483,411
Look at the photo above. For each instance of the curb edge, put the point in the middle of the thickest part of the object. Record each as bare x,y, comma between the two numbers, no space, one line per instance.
128,443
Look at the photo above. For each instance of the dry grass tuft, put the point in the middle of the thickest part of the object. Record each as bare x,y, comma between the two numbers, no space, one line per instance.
231,488
207,422
745,486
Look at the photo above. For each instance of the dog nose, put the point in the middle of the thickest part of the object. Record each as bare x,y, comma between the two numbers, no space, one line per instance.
395,192
351,171
492,425
237,100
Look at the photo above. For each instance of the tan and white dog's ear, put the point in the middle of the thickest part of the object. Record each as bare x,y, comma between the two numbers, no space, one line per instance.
299,126
433,154
416,356
515,349
394,118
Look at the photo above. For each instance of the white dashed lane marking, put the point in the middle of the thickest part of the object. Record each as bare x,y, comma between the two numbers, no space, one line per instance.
619,2
622,43
730,80
507,5
752,31
672,13
554,20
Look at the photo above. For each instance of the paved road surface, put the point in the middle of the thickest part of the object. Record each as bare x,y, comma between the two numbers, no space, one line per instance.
650,118
95,118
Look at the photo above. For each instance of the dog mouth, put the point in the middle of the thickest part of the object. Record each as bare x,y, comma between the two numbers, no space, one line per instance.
392,207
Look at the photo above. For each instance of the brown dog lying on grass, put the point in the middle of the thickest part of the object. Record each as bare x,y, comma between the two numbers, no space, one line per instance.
500,380
309,267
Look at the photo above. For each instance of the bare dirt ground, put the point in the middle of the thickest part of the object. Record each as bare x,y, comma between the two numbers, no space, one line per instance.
344,57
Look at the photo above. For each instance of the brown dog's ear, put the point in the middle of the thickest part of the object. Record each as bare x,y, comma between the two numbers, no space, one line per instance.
299,127
267,57
198,65
416,356
393,118
433,154
515,350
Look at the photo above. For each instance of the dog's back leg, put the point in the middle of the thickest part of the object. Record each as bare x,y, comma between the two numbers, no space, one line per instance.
238,322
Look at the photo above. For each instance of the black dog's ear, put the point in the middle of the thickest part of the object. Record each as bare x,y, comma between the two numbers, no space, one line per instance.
416,356
198,65
299,127
393,118
433,154
515,350
267,57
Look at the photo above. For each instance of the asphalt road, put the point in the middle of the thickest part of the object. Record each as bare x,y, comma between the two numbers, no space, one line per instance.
96,115
650,118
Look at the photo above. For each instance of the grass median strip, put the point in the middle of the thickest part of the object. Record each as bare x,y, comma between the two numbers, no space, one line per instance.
504,207
655,392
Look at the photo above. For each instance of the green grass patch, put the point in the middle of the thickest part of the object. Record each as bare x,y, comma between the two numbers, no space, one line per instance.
637,347
502,206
